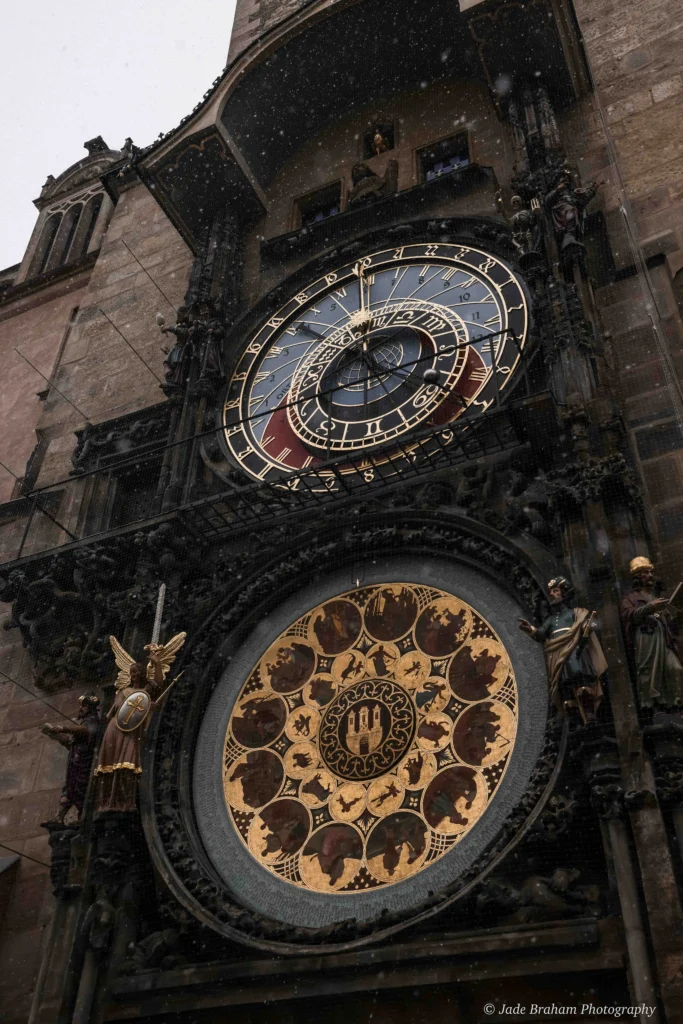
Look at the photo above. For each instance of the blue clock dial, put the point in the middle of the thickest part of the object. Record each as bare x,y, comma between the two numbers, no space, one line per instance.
341,367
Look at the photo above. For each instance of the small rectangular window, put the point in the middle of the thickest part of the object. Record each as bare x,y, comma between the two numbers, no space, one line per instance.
319,205
444,157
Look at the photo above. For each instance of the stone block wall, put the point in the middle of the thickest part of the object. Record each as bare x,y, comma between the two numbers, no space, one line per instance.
143,269
635,51
93,366
32,769
38,326
95,337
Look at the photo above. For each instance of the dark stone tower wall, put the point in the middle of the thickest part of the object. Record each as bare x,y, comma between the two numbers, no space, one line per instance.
212,213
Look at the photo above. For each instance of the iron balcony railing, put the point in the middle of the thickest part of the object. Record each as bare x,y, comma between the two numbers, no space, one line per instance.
338,480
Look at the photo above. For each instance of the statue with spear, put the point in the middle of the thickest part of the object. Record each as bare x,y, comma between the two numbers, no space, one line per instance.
139,689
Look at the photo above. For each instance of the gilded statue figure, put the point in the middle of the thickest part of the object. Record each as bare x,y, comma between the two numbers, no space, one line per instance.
649,624
573,654
380,144
79,738
138,690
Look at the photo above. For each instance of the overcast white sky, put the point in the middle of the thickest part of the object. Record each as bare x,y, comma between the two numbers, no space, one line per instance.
72,70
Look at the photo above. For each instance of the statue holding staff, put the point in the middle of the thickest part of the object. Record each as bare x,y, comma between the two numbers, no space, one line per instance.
573,654
650,628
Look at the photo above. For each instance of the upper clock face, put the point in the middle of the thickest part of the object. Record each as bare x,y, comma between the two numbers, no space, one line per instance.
340,368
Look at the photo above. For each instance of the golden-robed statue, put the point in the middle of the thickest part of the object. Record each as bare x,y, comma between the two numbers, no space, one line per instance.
651,631
138,687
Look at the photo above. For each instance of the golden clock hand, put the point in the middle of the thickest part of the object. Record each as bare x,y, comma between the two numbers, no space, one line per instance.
368,286
359,271
362,318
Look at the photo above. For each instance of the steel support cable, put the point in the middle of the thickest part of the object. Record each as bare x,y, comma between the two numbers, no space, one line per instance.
238,508
149,453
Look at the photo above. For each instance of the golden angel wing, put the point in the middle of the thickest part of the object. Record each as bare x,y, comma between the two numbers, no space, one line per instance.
167,652
123,663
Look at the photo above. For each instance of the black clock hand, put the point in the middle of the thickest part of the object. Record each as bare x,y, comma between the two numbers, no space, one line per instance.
309,330
376,371
384,339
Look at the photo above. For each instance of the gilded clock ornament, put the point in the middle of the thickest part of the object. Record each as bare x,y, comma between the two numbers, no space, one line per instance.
404,338
369,738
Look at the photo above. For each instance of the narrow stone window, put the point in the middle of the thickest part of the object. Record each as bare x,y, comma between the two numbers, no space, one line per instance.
319,205
67,233
444,157
47,238
86,226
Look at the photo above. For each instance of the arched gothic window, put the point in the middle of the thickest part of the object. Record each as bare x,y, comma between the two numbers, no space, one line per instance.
66,236
47,238
87,225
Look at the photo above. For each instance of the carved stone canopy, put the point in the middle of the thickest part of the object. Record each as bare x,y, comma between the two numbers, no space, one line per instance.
96,145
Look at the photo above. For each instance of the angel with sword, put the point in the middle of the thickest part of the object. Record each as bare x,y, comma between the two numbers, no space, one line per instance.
138,689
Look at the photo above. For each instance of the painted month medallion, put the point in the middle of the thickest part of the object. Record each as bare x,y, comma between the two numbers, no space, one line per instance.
370,738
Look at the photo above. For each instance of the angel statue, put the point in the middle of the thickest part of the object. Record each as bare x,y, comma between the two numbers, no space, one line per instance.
138,687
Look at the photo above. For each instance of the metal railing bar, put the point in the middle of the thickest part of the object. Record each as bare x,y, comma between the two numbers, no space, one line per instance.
150,452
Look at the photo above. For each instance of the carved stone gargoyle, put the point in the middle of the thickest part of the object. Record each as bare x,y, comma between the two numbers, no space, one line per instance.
368,186
539,898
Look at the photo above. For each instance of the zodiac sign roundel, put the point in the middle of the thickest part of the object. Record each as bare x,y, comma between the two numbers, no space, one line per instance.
369,738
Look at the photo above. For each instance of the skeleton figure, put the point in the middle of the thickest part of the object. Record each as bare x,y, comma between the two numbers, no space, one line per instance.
178,358
526,227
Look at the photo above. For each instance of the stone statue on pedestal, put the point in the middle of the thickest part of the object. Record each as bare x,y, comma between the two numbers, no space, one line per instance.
119,764
650,628
573,654
566,204
368,186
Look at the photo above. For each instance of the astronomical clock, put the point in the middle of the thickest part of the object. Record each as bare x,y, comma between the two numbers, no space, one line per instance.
402,339
367,741
371,735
